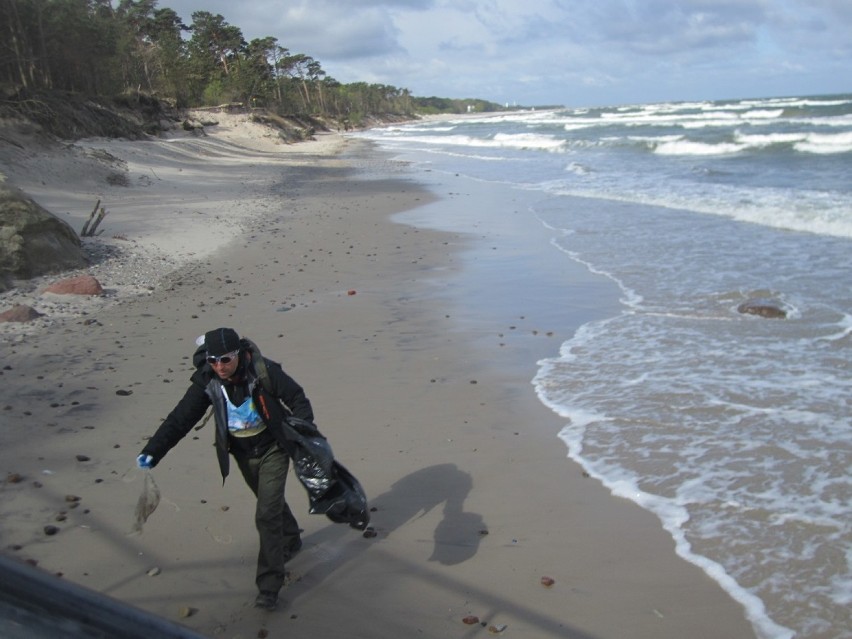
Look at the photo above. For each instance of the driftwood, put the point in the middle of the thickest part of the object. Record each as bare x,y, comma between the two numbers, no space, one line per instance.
95,218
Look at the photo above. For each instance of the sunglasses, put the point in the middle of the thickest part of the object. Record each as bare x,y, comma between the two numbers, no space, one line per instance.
222,359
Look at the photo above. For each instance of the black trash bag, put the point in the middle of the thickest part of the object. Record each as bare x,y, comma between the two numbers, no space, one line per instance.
332,490
345,502
313,463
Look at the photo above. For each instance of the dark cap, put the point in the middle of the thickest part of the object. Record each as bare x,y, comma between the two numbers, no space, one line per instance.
221,341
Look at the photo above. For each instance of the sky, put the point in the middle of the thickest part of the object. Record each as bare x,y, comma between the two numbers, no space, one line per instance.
574,53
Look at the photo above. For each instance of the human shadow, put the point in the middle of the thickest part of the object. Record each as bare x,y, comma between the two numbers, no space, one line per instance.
457,536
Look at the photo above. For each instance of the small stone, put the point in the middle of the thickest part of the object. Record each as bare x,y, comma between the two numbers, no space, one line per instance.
351,292
83,458
497,629
81,285
50,530
123,393
14,478
20,313
73,498
547,582
153,572
470,620
369,533
186,611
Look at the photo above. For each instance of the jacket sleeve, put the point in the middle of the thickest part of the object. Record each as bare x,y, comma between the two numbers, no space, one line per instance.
289,392
189,410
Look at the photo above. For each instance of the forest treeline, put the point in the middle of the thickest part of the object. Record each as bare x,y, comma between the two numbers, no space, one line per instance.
91,47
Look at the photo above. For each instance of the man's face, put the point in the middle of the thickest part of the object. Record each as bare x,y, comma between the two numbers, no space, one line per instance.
225,365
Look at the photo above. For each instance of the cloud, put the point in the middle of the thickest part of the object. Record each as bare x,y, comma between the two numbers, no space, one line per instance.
335,35
563,50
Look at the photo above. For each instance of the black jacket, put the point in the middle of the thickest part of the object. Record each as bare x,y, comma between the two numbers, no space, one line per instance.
283,398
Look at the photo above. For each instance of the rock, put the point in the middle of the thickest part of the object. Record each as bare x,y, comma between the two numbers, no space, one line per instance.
33,241
80,285
186,611
547,582
50,530
470,620
764,308
20,313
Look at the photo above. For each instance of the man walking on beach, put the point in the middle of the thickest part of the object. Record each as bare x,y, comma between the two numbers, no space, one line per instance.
248,410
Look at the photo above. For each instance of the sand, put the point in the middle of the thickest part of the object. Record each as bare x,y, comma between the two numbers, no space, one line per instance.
475,502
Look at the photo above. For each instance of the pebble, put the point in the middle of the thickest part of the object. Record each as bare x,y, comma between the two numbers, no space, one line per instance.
153,572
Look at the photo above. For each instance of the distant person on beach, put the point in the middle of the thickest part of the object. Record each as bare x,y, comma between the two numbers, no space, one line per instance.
248,416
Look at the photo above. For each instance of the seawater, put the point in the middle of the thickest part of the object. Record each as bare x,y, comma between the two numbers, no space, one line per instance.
733,429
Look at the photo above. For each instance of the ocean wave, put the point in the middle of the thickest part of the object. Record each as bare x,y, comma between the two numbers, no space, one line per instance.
691,147
804,142
824,143
528,141
498,141
811,212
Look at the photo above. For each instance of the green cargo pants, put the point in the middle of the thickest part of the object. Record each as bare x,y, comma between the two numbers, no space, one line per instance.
279,532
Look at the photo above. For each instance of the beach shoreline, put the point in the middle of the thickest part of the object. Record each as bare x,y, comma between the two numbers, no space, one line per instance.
475,500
